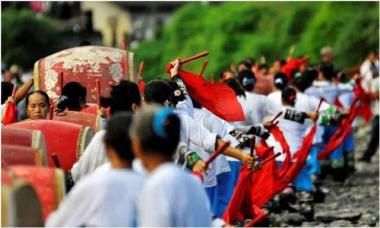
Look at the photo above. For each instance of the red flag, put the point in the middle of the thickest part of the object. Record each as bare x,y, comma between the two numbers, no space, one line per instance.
341,133
10,113
217,97
292,65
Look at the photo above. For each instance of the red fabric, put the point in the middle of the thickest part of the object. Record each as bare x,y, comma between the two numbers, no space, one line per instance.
341,133
290,66
254,189
217,97
10,113
364,108
141,85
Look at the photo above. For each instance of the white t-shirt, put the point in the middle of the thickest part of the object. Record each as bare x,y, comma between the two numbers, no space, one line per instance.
104,198
370,84
173,197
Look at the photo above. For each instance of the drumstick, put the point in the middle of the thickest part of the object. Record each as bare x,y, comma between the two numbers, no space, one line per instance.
98,90
252,145
61,82
56,161
14,91
203,67
189,59
275,118
320,104
141,68
273,156
216,153
51,109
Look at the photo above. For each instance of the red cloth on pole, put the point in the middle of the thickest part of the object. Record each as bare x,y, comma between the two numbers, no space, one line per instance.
254,189
141,85
341,133
10,113
364,108
290,66
217,97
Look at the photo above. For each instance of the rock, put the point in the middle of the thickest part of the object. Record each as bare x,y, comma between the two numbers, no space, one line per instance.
347,214
295,219
323,216
341,223
368,219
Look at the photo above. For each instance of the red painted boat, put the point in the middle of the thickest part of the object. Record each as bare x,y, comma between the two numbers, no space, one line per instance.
85,65
25,137
20,205
67,140
21,155
49,184
81,118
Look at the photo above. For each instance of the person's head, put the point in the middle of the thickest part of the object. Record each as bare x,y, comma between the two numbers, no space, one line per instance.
247,79
226,74
327,54
276,66
326,72
305,80
37,105
74,96
155,134
263,69
234,84
288,96
244,65
177,95
158,91
6,91
117,141
373,55
280,80
124,97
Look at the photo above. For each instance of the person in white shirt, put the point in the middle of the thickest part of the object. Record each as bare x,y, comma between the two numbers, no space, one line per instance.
369,71
123,97
170,196
106,197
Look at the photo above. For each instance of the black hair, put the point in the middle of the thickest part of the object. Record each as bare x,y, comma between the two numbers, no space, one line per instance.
158,130
6,91
247,79
247,63
176,92
40,92
327,71
196,104
280,80
236,86
158,91
117,135
122,96
84,43
288,95
306,79
263,65
73,97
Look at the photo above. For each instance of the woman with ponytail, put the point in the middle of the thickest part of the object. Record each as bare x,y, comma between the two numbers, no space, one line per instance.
171,197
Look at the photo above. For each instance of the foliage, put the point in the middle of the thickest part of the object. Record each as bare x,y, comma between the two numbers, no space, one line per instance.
232,31
26,37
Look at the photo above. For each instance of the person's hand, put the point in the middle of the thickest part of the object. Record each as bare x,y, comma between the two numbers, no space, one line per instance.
247,160
175,69
267,124
102,112
312,115
200,166
54,103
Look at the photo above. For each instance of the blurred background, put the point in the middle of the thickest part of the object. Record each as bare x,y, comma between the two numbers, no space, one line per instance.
159,31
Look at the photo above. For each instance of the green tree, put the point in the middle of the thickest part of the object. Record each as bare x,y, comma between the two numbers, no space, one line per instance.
232,31
26,37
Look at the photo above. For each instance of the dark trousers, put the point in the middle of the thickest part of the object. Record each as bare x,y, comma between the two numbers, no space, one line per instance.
374,142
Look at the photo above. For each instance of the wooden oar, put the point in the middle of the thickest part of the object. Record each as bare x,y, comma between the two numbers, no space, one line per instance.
141,68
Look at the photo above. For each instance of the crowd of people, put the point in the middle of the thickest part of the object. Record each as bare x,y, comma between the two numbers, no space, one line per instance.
139,170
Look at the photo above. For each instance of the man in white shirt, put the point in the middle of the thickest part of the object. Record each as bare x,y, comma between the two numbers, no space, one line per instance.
106,197
369,71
